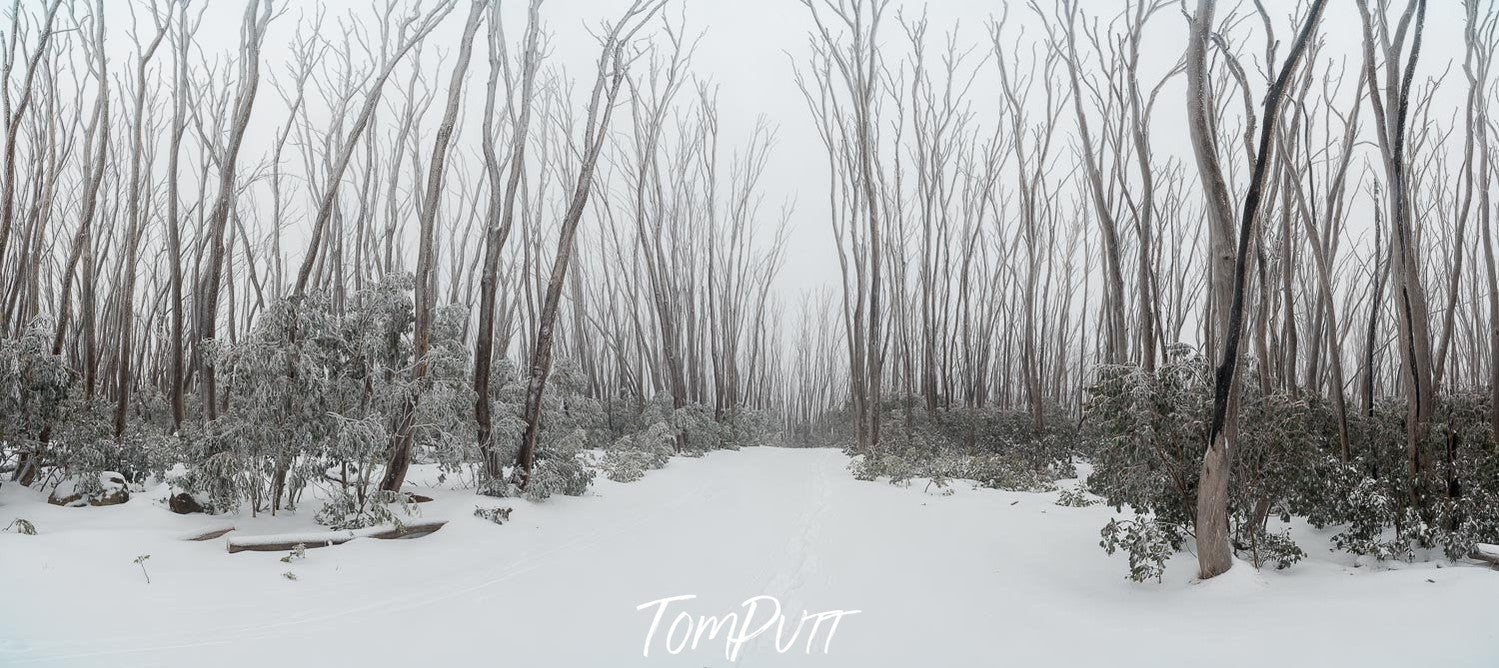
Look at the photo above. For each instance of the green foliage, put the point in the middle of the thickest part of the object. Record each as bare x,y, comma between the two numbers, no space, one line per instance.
1266,547
568,476
1388,500
995,447
21,526
498,515
350,511
865,468
1076,497
898,468
1149,543
747,426
140,560
632,455
35,386
1147,433
298,551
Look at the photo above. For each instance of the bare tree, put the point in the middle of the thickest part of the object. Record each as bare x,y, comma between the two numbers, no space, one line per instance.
1391,105
859,70
257,18
426,289
15,112
613,64
1214,554
500,215
409,33
163,21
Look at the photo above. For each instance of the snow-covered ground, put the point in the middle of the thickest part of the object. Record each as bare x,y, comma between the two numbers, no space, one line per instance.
977,578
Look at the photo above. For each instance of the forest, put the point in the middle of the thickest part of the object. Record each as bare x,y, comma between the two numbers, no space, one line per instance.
276,282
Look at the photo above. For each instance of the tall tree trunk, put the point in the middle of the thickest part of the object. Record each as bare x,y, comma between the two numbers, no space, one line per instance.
612,66
426,260
13,117
173,221
133,235
1214,553
252,35
501,215
1412,317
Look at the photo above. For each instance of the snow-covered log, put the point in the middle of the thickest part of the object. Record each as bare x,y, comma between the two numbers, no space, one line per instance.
1486,553
287,541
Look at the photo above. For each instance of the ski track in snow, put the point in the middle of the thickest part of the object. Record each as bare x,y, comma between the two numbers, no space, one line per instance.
799,563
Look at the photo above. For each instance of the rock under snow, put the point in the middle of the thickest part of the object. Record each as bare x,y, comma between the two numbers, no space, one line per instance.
76,491
184,503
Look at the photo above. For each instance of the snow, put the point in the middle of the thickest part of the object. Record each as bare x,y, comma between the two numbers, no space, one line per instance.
980,577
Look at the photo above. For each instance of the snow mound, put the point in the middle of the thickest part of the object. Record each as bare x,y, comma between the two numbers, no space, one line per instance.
1242,579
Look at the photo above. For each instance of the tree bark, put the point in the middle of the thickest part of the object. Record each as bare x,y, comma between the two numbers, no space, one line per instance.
612,66
501,218
1214,552
425,289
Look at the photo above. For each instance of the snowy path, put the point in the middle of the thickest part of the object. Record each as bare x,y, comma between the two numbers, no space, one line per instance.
977,578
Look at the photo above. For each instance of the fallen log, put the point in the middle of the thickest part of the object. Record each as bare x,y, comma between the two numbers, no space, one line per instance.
209,534
1488,554
309,540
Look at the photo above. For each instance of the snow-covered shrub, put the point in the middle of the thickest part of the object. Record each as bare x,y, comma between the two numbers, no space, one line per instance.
1146,434
1000,472
1384,496
21,526
996,447
748,427
1075,497
443,411
623,466
280,393
346,511
629,457
1265,547
298,551
1384,511
568,476
82,442
215,480
498,515
865,468
1150,544
34,387
700,432
313,389
898,468
1014,434
571,422
568,410
942,484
